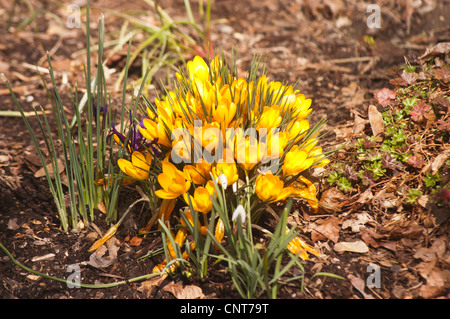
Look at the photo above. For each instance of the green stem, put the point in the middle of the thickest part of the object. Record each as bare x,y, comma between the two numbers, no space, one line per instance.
249,217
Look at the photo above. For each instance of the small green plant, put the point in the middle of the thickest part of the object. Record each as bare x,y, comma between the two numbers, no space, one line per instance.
416,122
440,185
341,182
431,180
413,195
376,168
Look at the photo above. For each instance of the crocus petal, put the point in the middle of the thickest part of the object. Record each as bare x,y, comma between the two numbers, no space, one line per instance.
161,193
164,180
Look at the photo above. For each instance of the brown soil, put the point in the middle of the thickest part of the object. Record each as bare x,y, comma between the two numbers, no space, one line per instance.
319,42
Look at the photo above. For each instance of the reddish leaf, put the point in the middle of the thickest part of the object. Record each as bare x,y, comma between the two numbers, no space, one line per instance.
390,162
418,111
444,125
384,96
443,74
350,173
408,77
415,161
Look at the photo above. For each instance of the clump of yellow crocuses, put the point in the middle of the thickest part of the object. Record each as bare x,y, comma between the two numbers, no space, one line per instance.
251,135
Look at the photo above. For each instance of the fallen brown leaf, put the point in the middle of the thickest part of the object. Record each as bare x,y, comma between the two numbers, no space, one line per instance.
385,200
136,241
371,238
41,172
357,246
431,119
404,229
426,267
365,236
357,222
102,207
360,124
437,283
376,121
92,236
359,200
98,258
359,284
440,49
329,228
437,249
187,292
150,285
331,200
12,224
439,161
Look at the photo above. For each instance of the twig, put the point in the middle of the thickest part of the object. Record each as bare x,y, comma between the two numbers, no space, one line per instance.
378,296
353,59
34,67
17,113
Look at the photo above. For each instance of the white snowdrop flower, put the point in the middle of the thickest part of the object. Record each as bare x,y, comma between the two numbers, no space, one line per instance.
235,187
239,212
222,179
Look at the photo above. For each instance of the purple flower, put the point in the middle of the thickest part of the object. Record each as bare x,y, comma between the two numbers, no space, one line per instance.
103,112
136,141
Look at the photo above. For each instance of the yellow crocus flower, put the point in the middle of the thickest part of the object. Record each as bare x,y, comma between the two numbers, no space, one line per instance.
296,161
181,145
155,129
316,154
211,135
198,69
216,65
227,169
199,173
297,130
301,107
224,113
201,200
269,187
270,118
298,246
240,90
139,166
304,188
275,144
172,181
248,154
